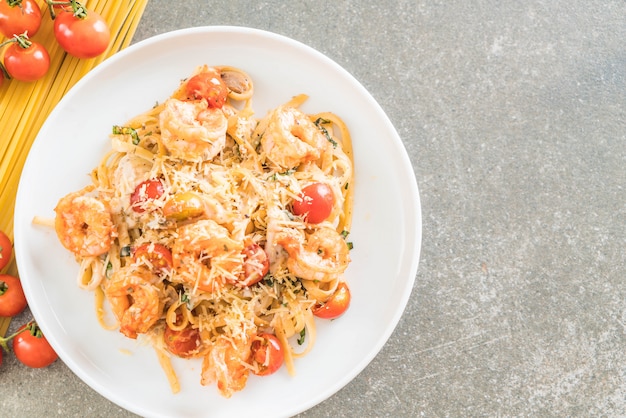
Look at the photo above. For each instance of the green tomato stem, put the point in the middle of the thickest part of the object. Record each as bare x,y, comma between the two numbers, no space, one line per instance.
78,10
22,40
4,341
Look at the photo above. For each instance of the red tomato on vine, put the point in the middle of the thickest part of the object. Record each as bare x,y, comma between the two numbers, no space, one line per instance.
26,60
12,298
32,348
81,32
6,247
19,16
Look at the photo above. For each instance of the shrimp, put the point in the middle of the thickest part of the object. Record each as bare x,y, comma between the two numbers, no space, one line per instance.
84,224
290,138
256,265
225,364
134,299
204,254
192,131
322,255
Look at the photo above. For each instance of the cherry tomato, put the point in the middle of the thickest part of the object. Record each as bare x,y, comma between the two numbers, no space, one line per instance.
145,191
6,250
315,204
28,63
183,343
155,254
17,17
336,305
184,205
12,298
31,347
208,85
267,354
256,264
83,34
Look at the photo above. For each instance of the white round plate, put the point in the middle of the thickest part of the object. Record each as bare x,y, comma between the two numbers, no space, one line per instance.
386,227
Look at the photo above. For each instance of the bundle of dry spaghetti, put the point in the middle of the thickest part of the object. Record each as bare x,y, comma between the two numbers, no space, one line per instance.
25,106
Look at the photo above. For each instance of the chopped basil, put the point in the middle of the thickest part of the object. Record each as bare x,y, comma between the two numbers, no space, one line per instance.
124,130
268,280
302,335
319,123
274,177
125,251
344,235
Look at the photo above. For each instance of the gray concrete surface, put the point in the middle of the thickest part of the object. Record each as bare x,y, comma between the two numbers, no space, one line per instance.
514,116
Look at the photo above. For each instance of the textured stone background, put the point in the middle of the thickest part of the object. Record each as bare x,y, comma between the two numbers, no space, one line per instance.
514,116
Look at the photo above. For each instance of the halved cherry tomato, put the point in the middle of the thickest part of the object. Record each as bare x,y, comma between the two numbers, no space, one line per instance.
32,348
336,305
145,191
12,298
183,343
19,16
6,250
82,33
155,254
256,264
183,206
315,204
267,354
26,61
208,85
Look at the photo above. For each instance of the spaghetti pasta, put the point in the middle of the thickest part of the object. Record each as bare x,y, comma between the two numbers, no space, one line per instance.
188,232
25,106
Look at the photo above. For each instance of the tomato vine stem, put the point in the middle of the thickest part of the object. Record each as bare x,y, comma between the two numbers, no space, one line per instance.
31,327
22,40
78,9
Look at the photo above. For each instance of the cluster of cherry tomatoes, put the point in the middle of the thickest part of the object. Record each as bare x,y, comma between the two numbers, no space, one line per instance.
29,344
80,32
